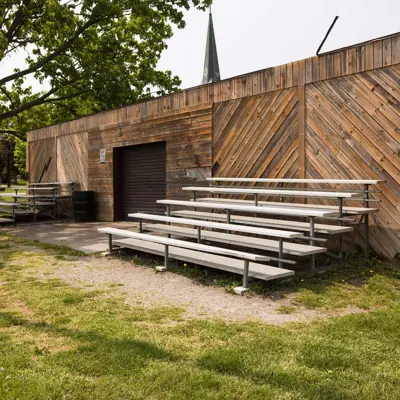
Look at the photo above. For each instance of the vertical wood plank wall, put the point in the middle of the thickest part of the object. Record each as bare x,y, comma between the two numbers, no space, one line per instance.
332,116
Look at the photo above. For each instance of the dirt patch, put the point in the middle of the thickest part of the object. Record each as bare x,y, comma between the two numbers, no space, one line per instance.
141,287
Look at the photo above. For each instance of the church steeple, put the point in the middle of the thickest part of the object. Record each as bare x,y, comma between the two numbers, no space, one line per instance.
211,66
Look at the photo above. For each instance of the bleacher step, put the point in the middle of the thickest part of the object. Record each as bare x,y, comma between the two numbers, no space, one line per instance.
228,264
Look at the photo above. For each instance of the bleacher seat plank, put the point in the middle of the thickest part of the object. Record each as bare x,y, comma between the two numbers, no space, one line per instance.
275,210
9,204
267,222
183,244
284,180
223,263
237,240
346,210
273,192
228,227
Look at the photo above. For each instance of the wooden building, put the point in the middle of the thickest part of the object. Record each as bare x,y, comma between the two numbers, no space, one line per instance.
332,116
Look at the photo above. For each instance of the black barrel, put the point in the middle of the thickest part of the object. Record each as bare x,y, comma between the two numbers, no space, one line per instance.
84,206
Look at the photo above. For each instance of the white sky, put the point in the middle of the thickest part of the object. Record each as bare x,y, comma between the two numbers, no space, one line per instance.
257,34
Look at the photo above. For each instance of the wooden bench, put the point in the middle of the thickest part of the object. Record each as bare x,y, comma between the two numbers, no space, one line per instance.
294,249
199,254
346,210
266,222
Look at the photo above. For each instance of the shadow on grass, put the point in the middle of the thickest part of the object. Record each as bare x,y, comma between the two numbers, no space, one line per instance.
95,353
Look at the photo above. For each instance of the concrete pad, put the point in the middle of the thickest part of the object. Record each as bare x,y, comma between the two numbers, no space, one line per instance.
78,236
240,290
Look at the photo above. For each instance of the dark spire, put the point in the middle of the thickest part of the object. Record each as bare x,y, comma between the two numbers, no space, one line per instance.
211,66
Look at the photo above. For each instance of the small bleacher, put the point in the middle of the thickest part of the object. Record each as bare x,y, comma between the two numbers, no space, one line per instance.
48,200
257,238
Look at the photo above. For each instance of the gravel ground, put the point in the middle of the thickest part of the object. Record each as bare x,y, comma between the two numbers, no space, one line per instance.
141,286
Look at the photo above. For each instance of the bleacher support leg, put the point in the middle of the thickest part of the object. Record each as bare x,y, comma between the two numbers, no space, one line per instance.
110,243
341,251
166,256
228,218
280,253
366,220
312,241
240,290
246,274
163,268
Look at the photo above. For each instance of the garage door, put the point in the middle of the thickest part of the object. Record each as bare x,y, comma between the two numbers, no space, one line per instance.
140,179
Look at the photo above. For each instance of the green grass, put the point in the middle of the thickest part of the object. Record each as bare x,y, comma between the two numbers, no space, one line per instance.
61,342
361,283
21,184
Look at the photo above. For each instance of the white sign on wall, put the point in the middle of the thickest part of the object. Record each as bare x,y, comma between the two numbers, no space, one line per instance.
102,156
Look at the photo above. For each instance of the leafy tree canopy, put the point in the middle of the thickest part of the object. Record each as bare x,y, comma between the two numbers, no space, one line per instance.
92,55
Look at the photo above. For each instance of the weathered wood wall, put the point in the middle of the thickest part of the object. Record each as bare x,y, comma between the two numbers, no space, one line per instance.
42,161
72,159
188,139
375,54
353,131
257,136
336,115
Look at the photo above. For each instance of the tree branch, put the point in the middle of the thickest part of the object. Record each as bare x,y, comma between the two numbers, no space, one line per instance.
51,56
17,23
40,100
17,134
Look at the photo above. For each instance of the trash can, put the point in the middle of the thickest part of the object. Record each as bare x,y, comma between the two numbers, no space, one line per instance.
84,206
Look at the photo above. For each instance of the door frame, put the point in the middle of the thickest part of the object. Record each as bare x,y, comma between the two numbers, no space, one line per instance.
118,177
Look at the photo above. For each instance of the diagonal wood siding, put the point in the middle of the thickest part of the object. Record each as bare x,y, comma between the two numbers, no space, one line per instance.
72,159
42,160
257,136
353,131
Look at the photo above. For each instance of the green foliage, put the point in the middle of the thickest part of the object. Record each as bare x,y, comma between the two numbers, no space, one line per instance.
90,56
20,156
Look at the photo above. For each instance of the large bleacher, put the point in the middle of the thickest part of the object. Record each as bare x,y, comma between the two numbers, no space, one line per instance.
240,235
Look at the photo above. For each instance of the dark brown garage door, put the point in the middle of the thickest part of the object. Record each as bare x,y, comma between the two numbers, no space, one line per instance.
140,179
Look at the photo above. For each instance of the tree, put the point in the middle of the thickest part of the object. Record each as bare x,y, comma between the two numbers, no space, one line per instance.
91,55
8,170
20,156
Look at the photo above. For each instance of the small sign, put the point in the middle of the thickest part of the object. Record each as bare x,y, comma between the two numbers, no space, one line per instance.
102,156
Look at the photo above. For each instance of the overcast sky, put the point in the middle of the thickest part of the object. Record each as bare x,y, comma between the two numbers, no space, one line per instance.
257,34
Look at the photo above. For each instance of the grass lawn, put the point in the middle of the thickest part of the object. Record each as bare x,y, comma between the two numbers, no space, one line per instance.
62,342
21,184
